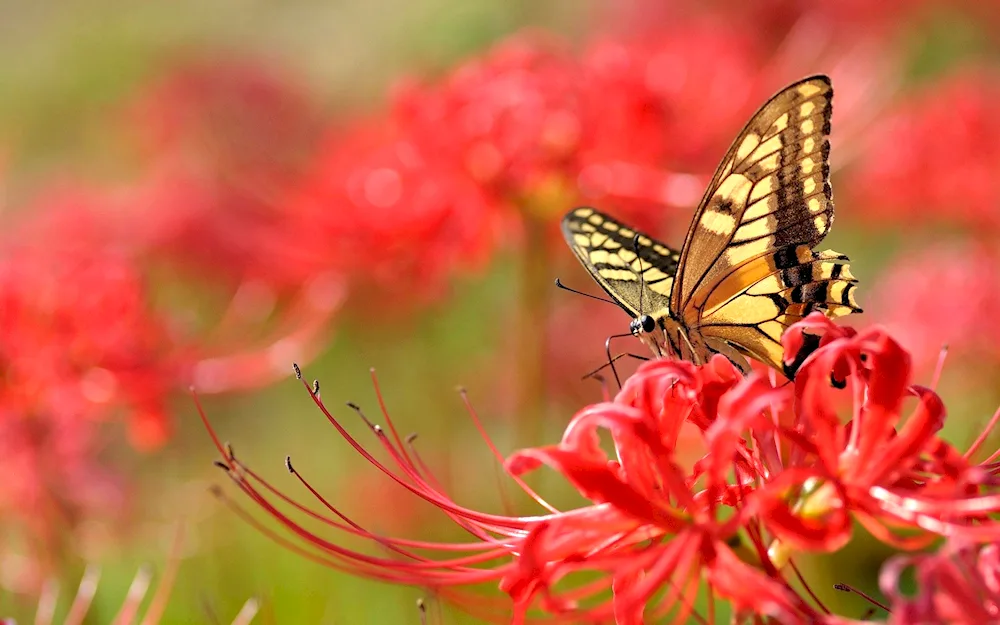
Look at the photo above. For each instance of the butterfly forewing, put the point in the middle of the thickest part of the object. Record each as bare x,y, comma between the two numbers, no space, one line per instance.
747,268
640,283
769,191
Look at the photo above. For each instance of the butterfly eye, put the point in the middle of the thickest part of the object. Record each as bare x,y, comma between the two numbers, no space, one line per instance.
648,323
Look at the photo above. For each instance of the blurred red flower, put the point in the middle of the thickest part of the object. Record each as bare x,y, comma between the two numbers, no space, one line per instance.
383,209
544,129
55,478
943,296
958,585
660,120
224,141
934,159
227,141
79,334
232,116
80,345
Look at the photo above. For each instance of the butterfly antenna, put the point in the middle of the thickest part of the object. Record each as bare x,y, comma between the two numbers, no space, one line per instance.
562,286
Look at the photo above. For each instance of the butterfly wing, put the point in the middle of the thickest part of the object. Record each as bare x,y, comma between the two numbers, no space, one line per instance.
747,267
639,282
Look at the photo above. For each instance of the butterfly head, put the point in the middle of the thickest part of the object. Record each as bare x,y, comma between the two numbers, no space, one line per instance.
643,324
651,332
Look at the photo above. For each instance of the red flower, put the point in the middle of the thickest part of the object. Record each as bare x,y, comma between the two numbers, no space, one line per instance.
697,109
235,116
55,478
532,123
275,313
934,159
647,531
892,472
632,125
658,120
941,297
756,484
958,585
78,335
385,210
649,527
225,140
79,345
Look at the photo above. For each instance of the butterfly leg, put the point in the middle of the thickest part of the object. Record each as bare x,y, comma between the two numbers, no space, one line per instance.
611,360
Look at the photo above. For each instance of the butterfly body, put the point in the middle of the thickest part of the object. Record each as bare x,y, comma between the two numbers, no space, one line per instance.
747,269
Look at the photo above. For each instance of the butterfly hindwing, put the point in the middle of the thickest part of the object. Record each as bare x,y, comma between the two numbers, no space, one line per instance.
754,315
641,284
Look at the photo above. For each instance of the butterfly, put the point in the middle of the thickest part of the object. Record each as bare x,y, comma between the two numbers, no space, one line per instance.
747,269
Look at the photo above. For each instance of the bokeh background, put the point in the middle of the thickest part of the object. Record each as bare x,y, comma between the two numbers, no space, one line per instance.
199,194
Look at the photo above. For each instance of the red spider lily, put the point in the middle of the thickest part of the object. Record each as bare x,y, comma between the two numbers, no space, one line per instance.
649,533
236,116
205,228
958,585
631,125
79,335
933,161
891,471
55,479
225,141
646,530
386,211
773,468
943,296
532,123
655,110
79,345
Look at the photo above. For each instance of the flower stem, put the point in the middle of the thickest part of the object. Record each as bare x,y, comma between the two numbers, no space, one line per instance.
532,334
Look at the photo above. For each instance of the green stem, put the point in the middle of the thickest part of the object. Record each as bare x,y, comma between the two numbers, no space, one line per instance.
532,335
